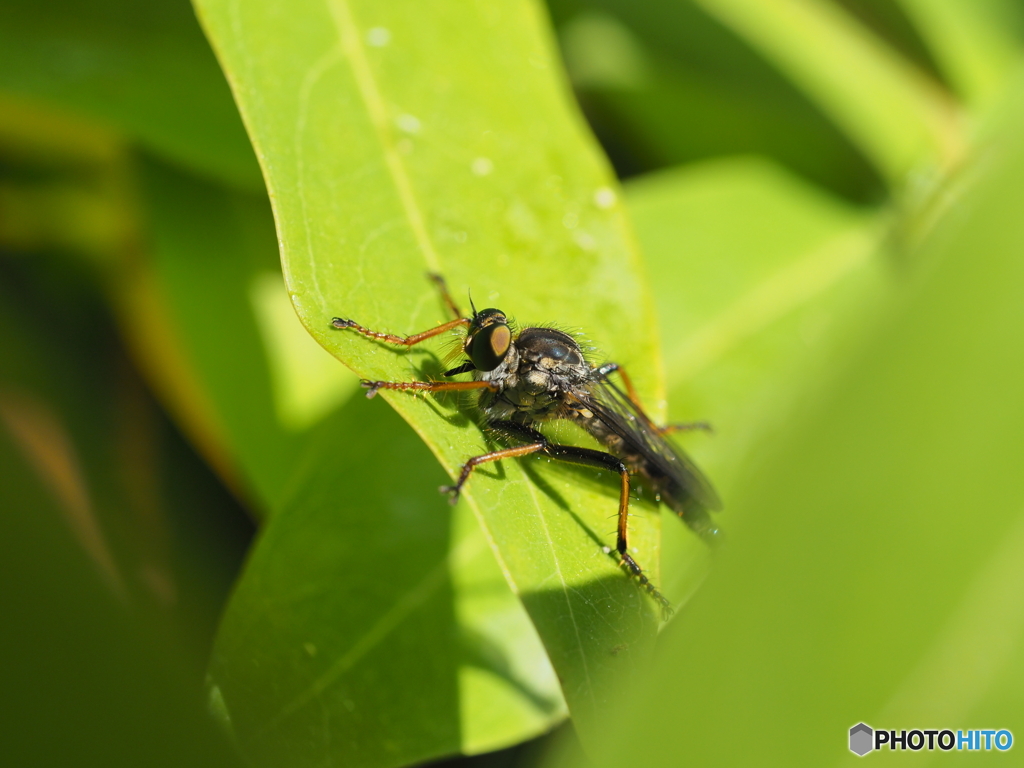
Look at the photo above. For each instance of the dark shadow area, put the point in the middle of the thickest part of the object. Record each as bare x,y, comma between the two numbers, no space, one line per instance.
117,545
534,752
457,408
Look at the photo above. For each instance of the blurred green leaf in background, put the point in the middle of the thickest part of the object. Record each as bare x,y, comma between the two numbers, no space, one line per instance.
798,221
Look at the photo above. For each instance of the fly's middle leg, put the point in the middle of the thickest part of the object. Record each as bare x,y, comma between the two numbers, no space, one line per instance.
534,442
476,461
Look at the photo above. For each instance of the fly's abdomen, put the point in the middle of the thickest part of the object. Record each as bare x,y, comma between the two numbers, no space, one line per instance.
627,450
662,472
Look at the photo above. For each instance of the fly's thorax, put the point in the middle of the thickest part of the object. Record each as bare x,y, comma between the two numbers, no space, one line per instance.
549,361
551,367
540,370
549,347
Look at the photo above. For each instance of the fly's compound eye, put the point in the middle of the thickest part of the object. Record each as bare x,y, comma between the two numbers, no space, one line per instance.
488,346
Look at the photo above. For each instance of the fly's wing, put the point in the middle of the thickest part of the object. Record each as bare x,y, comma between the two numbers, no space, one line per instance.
623,418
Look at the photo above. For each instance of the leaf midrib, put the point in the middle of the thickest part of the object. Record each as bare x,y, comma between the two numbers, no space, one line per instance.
355,52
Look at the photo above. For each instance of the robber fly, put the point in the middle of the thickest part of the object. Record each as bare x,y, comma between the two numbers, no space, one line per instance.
532,375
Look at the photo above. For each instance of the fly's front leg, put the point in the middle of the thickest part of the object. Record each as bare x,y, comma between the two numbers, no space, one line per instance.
390,338
442,286
416,338
609,368
373,387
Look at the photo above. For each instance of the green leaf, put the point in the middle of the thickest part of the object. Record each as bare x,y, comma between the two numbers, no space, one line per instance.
143,68
977,42
666,83
763,283
437,136
353,571
342,638
892,111
874,571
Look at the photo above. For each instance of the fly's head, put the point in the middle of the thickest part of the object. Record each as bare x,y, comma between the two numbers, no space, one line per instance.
489,339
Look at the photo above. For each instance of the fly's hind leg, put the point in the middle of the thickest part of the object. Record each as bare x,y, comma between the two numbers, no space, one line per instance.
590,458
609,368
536,442
687,426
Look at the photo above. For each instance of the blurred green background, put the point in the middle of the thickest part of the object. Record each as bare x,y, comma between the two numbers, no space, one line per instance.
817,232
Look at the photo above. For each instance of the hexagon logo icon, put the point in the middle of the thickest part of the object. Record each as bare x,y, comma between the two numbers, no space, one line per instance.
861,739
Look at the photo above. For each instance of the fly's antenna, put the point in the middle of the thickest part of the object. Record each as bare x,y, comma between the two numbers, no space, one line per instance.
471,304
